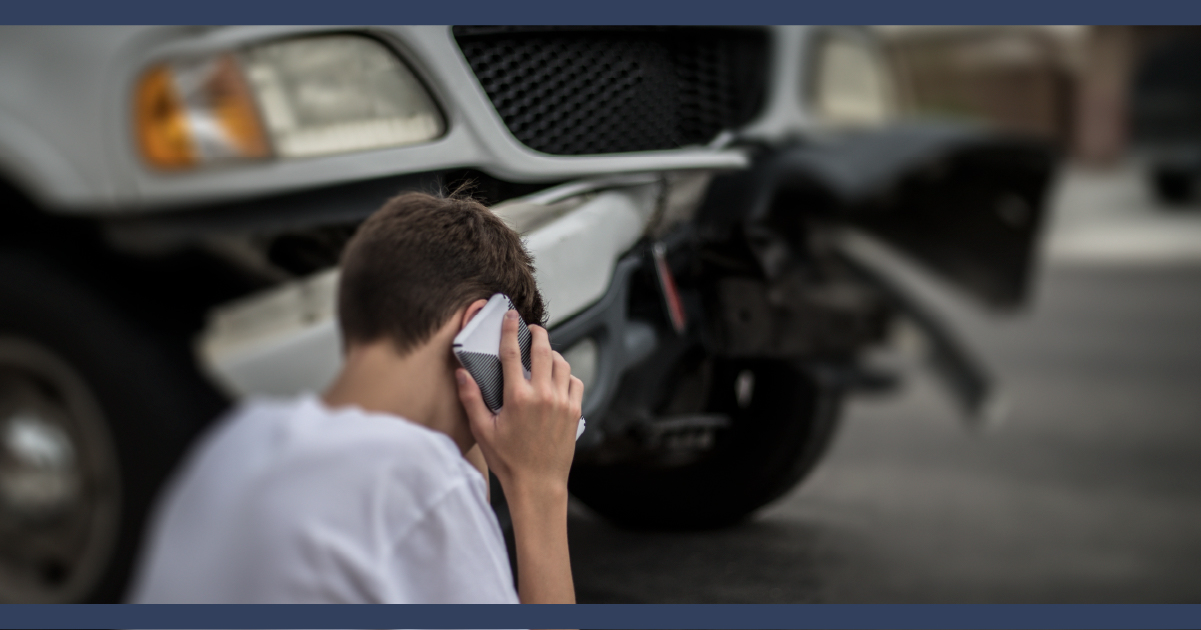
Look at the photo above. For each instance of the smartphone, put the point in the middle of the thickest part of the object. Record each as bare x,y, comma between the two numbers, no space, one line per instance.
477,347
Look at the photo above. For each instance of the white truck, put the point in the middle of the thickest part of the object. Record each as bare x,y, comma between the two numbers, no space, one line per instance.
173,202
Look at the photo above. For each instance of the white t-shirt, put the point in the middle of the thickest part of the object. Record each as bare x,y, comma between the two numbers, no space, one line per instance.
289,501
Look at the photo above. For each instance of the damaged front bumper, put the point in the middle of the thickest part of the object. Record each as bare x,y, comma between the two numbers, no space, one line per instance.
285,340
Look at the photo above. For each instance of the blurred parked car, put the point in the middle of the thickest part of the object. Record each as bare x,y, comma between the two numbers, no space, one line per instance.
702,205
1166,117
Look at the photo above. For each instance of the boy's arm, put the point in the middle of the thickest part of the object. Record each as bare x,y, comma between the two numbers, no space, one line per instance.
529,446
540,530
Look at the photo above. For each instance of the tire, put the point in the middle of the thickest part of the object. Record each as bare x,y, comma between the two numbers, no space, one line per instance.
1173,186
95,409
773,441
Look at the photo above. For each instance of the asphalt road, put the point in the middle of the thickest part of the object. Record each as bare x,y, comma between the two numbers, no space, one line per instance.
1090,492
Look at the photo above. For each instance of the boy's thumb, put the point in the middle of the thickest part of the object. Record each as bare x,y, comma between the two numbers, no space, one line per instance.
473,401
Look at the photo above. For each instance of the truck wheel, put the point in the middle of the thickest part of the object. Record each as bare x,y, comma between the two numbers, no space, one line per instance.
94,410
1172,186
778,432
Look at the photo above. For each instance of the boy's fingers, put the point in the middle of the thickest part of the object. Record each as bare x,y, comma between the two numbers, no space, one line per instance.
541,359
575,394
473,402
561,374
510,354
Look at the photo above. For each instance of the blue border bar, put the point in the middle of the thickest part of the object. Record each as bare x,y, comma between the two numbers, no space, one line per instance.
615,616
745,12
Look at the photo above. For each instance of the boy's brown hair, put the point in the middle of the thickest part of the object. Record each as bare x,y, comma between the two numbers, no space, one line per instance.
420,258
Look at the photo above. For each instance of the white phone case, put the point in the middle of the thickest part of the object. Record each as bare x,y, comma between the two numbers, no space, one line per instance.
477,347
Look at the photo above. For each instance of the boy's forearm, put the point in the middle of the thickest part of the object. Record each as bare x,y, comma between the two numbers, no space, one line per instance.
540,530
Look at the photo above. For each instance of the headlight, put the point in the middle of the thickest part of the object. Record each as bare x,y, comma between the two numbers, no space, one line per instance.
851,86
339,93
294,98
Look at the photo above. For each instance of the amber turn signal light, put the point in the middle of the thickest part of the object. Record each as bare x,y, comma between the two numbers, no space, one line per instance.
187,114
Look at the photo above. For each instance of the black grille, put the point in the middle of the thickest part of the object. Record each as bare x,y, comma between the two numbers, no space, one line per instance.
579,91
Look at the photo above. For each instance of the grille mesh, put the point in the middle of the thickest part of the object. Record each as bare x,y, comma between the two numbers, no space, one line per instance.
574,91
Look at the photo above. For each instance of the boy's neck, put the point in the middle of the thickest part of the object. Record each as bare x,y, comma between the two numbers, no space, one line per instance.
418,386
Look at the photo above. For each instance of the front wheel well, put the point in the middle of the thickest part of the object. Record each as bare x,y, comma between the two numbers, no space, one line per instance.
172,290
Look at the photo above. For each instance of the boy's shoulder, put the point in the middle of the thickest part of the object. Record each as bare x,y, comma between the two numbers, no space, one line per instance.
304,429
295,448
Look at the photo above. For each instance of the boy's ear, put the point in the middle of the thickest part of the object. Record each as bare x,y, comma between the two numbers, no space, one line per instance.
471,311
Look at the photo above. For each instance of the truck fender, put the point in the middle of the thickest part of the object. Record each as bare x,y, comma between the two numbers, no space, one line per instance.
37,168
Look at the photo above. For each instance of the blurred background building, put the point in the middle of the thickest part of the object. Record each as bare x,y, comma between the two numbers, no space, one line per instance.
1068,84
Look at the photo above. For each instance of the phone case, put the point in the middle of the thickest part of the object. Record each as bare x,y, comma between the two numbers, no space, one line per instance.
477,347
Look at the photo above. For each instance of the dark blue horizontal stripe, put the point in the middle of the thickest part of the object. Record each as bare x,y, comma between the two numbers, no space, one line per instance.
697,616
608,12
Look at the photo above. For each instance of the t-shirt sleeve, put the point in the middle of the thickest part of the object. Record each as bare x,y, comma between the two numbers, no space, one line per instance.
453,554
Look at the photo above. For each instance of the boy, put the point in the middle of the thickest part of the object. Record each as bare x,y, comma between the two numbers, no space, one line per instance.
366,494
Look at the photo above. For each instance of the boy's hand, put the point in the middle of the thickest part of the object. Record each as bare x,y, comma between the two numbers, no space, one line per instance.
529,445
